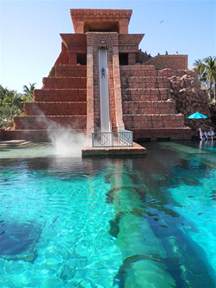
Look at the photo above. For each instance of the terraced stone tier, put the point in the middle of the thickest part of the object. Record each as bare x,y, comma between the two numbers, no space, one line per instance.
64,82
70,70
162,133
33,135
140,121
138,70
144,82
60,95
141,94
56,108
42,122
148,107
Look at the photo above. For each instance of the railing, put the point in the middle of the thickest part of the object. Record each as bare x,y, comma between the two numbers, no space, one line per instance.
112,139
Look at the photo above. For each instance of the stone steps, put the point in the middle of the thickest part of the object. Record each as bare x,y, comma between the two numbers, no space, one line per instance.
34,135
146,110
53,95
178,133
138,70
140,121
64,70
55,108
64,82
144,82
43,122
148,107
138,66
143,94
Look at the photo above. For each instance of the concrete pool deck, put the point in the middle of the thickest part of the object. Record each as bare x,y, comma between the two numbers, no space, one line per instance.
135,150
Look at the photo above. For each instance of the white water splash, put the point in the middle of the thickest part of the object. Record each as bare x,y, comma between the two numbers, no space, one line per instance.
66,142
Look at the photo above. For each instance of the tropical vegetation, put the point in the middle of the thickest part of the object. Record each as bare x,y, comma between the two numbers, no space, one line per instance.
12,102
206,69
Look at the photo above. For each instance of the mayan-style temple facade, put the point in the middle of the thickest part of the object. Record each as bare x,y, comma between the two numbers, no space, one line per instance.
137,86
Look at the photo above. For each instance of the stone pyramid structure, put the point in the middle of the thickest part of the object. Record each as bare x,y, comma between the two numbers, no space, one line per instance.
139,89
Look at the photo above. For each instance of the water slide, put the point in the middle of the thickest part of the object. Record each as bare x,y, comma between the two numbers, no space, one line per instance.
104,91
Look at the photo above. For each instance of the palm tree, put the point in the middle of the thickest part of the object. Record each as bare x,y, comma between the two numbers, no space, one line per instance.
199,66
10,106
28,91
210,70
206,70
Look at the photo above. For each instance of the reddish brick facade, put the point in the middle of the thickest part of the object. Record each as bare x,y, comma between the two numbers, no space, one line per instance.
138,93
174,62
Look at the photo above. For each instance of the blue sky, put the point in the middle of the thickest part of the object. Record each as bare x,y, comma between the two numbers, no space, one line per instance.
30,41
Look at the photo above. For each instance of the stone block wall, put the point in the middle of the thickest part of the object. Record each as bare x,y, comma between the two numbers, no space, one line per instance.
148,107
60,95
61,101
56,108
100,18
35,122
174,62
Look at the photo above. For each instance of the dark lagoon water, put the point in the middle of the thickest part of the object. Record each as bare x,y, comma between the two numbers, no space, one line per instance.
133,223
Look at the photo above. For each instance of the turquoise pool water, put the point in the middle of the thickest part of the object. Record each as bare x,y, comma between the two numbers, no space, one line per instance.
105,223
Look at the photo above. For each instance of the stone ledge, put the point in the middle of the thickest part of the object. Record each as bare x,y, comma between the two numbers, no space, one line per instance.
14,143
181,133
135,150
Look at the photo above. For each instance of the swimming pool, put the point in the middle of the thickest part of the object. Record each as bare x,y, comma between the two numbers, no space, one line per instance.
134,223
